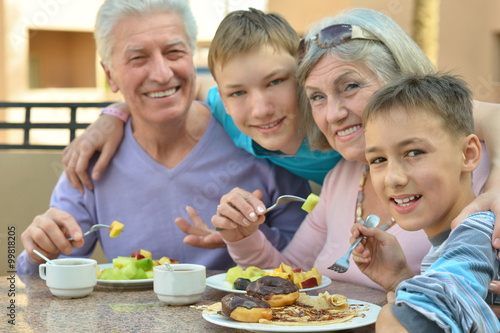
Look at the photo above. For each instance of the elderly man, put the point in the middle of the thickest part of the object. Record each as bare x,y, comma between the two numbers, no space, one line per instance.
174,153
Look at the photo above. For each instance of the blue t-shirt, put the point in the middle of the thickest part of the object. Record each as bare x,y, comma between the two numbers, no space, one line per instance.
309,164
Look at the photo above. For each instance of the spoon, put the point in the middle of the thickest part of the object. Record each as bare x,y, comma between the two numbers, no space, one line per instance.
169,268
44,257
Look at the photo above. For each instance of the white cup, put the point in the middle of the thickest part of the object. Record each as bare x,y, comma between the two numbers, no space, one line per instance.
185,285
70,277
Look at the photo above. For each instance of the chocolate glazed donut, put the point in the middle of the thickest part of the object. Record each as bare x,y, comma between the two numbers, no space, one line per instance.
245,308
274,290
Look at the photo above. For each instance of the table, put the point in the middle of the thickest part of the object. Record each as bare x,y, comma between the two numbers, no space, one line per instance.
113,310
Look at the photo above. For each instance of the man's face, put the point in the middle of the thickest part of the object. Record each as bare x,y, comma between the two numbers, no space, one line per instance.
259,91
152,67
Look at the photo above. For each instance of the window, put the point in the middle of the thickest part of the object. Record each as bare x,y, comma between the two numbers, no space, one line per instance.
61,59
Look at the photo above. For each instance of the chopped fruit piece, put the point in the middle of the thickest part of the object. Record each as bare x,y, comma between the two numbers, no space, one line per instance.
146,254
309,283
141,274
149,274
310,203
145,264
129,270
253,271
286,268
234,273
283,275
122,261
163,260
105,274
141,254
116,274
311,273
297,270
115,228
297,278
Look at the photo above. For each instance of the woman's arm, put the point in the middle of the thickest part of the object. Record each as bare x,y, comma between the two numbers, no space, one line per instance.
487,119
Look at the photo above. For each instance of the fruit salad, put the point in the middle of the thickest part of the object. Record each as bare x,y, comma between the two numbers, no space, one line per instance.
139,265
240,278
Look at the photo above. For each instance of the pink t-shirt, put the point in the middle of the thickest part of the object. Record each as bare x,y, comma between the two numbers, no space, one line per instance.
324,235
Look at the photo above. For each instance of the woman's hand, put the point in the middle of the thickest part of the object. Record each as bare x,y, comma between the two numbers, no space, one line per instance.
486,117
488,200
104,135
199,234
380,257
240,214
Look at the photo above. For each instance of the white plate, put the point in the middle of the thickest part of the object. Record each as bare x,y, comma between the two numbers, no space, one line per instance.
123,284
219,282
370,317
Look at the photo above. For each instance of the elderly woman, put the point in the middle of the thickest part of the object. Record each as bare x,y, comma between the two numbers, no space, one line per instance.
174,153
343,62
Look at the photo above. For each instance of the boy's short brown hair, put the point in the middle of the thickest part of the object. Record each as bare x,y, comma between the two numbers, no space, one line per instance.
444,95
244,30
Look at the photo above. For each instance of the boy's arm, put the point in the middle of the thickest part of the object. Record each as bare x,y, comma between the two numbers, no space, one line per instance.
380,257
203,85
386,320
105,135
452,291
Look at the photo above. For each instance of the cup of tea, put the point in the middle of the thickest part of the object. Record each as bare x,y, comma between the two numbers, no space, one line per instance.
70,277
182,286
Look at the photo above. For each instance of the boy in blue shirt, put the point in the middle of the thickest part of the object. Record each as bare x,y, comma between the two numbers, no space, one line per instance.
422,169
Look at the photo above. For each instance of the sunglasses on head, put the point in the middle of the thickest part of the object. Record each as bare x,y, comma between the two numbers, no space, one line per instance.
334,35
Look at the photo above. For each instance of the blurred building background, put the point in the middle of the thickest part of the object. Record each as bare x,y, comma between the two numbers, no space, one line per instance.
47,49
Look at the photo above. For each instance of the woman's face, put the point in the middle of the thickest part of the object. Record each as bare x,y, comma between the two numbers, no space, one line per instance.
338,92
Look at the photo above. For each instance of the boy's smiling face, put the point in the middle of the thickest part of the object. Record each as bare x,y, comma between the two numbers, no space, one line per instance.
259,91
418,169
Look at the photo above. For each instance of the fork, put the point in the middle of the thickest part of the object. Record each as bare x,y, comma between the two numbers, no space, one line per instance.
342,265
283,199
95,227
